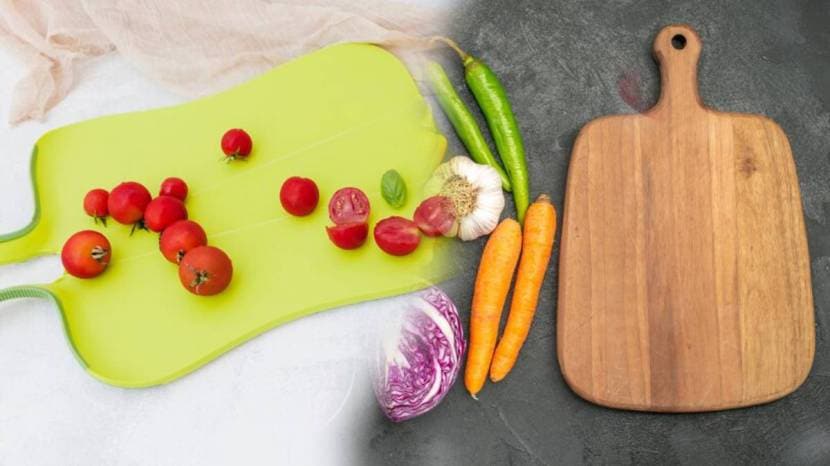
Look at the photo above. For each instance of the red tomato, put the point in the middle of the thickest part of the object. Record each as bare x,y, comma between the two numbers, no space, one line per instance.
349,205
95,205
205,271
164,211
299,196
236,144
86,254
175,187
179,238
127,202
435,216
348,235
397,236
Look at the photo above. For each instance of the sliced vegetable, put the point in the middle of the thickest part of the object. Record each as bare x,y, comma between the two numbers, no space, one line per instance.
537,244
492,98
495,272
463,121
435,216
348,235
393,188
397,236
419,356
86,254
349,205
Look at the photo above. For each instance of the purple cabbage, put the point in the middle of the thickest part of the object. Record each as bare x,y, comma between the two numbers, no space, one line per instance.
419,359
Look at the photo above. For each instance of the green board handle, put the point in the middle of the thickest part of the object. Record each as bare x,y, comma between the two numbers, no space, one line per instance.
19,292
22,245
29,291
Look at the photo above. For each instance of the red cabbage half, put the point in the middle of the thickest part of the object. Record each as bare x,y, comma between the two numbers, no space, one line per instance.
419,357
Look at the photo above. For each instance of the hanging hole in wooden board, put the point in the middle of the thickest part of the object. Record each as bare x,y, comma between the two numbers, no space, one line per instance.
678,41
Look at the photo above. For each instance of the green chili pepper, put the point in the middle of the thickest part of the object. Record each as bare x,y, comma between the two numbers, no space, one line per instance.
463,121
492,98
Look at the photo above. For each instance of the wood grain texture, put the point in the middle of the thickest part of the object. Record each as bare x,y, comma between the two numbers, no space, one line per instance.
684,270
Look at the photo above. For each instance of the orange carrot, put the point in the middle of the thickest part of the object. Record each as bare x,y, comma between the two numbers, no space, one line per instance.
495,272
537,243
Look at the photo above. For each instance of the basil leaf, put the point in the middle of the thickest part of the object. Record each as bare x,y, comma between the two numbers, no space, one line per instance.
393,188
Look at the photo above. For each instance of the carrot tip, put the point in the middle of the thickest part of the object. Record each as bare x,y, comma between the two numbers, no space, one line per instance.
543,198
473,395
496,378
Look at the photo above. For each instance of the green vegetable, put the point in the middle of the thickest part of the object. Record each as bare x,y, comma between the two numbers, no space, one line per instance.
393,188
492,98
463,121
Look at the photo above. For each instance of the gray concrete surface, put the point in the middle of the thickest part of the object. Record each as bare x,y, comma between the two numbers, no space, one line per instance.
565,63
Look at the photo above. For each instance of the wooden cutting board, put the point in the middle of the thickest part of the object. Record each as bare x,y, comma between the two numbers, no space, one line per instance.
685,277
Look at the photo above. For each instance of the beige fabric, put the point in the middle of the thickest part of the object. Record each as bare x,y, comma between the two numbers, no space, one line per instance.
193,47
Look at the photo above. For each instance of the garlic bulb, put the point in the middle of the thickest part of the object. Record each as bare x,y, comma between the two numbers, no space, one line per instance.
475,192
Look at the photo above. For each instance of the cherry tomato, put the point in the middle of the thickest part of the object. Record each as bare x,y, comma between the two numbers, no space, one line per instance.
86,254
179,238
205,271
175,187
95,205
236,144
397,236
162,212
435,216
299,196
127,202
348,235
349,205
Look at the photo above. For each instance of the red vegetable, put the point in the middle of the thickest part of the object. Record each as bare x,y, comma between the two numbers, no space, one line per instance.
175,187
164,211
349,205
206,271
127,202
436,216
236,144
95,205
299,196
86,254
348,235
397,236
179,238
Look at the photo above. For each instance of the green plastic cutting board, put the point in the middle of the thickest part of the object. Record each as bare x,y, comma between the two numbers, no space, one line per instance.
341,116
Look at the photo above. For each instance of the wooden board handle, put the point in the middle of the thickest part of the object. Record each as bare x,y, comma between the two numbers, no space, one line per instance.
677,51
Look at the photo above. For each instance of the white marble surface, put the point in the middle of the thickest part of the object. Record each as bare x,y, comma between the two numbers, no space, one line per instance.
298,394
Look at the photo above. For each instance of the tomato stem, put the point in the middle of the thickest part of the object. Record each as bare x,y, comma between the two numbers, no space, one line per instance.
99,253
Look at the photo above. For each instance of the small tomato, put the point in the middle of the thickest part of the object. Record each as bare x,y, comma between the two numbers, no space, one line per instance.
164,211
299,196
179,238
205,271
175,187
86,254
95,205
348,235
397,236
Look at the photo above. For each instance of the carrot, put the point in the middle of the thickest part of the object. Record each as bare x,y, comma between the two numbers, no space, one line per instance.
495,272
537,243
